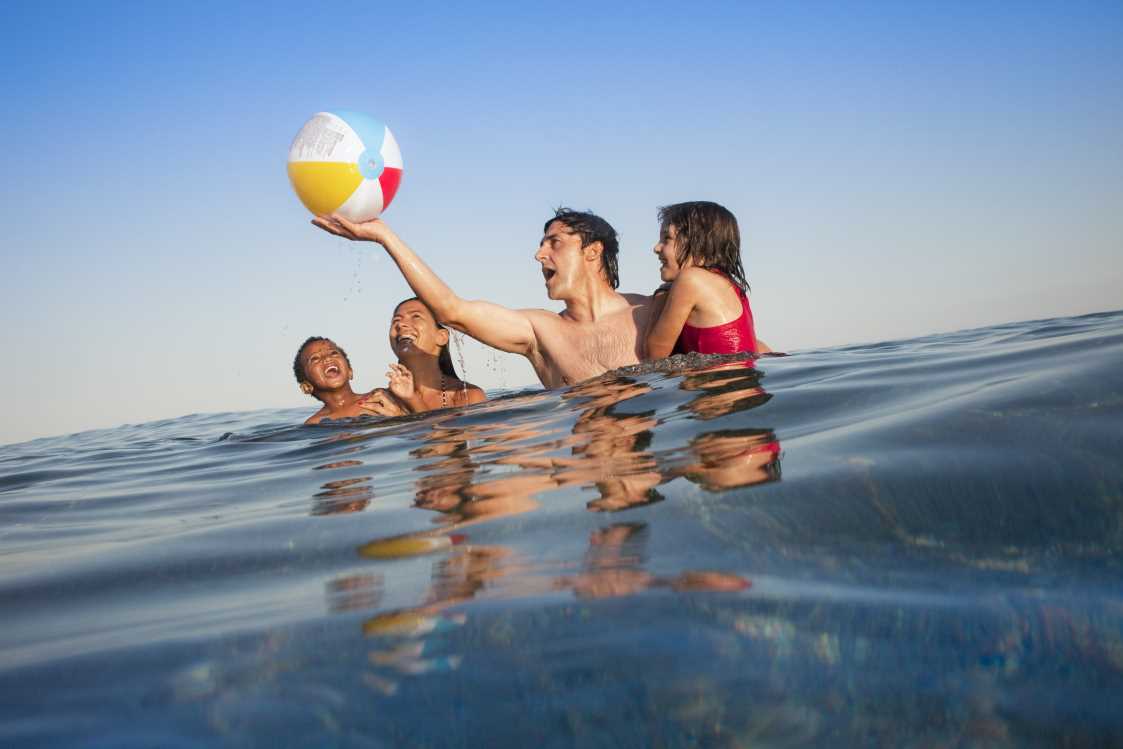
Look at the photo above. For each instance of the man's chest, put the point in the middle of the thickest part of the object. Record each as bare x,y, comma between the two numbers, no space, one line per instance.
581,350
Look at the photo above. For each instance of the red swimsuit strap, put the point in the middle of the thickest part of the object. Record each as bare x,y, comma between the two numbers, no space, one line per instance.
740,295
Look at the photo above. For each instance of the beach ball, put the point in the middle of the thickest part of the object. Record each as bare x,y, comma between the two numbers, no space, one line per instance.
347,163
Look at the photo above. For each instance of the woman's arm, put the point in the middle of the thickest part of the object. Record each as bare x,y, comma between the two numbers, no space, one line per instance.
473,394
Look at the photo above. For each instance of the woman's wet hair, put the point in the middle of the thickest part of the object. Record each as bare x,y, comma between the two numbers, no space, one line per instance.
298,366
444,358
592,228
708,233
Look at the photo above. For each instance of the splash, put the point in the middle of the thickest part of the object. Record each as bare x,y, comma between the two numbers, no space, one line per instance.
356,286
457,341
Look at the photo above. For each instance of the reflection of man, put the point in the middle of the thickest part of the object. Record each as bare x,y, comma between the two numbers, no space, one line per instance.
614,567
599,329
724,389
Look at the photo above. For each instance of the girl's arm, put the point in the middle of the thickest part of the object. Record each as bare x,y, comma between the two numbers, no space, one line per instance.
681,300
655,308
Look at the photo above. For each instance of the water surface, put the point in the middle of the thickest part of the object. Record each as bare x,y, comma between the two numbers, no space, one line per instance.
913,543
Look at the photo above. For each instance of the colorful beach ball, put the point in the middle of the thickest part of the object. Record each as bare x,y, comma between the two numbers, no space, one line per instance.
347,163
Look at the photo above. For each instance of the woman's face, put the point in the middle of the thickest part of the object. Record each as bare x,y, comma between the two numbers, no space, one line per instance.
413,330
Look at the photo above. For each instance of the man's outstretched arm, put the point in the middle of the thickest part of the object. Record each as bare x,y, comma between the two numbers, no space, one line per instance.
497,326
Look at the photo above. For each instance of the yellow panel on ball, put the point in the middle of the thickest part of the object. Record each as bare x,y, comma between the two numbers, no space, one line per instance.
323,186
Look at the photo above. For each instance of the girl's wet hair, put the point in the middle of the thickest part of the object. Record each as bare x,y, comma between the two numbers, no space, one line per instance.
444,359
298,367
708,233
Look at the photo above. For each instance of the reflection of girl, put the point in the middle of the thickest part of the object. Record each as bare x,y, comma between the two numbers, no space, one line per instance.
424,378
734,457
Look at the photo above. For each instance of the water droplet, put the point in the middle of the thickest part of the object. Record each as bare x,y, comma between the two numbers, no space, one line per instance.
457,339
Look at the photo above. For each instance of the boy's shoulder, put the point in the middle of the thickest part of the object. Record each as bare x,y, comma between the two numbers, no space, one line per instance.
317,417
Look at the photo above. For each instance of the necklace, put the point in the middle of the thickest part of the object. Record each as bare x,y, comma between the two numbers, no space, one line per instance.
444,404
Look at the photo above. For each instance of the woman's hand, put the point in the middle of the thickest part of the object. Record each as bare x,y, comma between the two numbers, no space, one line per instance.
368,231
401,382
380,402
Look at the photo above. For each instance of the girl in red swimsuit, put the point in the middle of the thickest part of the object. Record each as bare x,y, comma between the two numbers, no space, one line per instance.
706,309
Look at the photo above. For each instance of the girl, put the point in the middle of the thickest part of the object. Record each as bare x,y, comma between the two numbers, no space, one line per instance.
707,307
424,378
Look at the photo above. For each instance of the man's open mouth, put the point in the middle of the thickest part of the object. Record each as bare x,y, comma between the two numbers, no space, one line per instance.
404,340
547,273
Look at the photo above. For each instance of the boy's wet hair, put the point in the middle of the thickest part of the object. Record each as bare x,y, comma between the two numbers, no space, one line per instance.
708,233
298,367
444,359
592,228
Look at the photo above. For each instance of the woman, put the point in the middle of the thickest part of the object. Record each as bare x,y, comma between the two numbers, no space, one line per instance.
424,378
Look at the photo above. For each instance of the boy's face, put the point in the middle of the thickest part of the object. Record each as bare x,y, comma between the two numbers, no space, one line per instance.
325,367
666,249
414,330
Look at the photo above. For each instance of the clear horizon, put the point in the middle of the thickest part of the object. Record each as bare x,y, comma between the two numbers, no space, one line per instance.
898,171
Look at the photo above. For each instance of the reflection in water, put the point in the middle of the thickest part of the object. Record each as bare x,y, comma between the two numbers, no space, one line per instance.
355,592
343,495
469,473
731,458
605,449
614,567
347,495
724,389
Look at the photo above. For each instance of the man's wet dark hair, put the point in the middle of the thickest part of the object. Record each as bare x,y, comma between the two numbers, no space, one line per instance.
708,233
298,368
592,228
444,359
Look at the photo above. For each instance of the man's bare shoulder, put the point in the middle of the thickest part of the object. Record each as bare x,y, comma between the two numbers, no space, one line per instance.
538,312
637,300
538,316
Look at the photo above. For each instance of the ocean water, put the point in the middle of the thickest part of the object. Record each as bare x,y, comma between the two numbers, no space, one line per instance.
908,544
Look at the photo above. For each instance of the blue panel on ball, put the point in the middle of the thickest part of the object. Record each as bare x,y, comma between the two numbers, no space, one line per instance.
371,132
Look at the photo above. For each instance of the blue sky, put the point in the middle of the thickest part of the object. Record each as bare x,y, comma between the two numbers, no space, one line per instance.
898,169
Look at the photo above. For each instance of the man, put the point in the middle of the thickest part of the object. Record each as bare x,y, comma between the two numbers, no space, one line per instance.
600,328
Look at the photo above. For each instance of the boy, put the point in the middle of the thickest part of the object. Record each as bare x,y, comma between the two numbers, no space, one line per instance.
324,372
